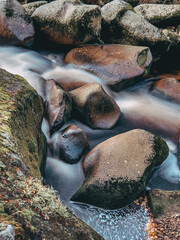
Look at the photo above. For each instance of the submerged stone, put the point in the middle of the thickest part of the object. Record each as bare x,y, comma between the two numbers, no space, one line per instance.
15,25
116,170
68,22
93,106
119,66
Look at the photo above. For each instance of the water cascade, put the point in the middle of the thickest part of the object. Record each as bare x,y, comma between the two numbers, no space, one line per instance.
139,110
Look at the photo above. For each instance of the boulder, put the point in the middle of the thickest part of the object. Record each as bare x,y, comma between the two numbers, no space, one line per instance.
163,202
68,22
31,7
15,26
112,12
58,105
119,66
94,107
135,30
116,170
32,209
160,15
168,88
69,144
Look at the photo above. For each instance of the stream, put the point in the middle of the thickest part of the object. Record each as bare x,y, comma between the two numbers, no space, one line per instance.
139,109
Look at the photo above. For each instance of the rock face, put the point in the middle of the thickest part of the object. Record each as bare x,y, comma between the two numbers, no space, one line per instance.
68,22
22,146
117,169
31,7
69,144
94,107
160,15
119,66
163,202
168,88
15,25
58,105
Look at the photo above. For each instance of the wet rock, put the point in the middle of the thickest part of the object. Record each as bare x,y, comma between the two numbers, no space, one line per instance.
162,202
160,15
135,30
15,26
21,111
168,88
70,144
117,169
58,105
8,233
111,15
31,7
68,22
119,66
94,107
174,37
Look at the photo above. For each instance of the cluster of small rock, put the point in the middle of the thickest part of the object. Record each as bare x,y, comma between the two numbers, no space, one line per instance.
72,22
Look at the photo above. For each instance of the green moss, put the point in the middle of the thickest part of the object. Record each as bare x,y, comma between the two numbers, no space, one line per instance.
31,146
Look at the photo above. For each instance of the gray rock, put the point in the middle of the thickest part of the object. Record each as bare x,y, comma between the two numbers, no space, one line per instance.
15,25
8,233
93,106
160,15
31,7
136,30
116,170
68,22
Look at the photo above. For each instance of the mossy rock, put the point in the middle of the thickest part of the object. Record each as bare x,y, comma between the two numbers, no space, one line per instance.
163,202
31,208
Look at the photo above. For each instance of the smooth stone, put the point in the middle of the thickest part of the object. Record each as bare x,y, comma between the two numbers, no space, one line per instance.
58,105
163,202
69,144
93,106
119,66
15,25
31,7
160,15
168,88
116,170
68,22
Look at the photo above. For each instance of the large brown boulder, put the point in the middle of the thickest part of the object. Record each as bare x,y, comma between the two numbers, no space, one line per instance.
93,106
119,66
68,22
117,169
168,88
15,25
160,15
58,105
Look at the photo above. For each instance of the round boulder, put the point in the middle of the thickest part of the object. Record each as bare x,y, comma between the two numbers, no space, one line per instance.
94,107
116,170
119,66
15,26
70,144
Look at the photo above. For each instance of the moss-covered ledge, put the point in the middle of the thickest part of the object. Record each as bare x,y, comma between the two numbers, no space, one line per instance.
31,208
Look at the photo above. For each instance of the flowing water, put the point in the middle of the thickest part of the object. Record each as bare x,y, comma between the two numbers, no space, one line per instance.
139,110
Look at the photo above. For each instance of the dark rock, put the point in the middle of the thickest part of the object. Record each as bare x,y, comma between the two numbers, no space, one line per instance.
94,107
58,105
119,66
117,169
70,144
15,25
168,88
160,15
162,202
68,22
